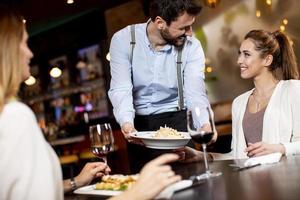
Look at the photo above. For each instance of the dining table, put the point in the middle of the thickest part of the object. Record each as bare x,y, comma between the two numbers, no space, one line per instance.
277,181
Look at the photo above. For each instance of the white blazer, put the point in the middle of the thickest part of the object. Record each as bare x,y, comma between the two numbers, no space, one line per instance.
281,120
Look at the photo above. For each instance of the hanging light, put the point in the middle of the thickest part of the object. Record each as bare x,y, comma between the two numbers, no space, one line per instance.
55,72
70,1
211,3
30,81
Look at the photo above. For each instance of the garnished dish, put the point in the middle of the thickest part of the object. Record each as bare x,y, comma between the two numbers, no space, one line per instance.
166,132
116,182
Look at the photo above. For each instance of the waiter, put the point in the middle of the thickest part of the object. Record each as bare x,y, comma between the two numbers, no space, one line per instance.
157,71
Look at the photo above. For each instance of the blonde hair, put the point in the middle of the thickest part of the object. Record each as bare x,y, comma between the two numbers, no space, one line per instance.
12,29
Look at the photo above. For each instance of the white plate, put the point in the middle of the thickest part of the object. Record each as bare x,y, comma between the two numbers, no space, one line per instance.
91,191
161,143
165,194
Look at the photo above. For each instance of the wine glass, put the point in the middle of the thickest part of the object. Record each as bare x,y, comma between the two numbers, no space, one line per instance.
102,140
200,125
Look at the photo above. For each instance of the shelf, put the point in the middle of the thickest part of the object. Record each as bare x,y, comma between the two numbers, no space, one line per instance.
85,87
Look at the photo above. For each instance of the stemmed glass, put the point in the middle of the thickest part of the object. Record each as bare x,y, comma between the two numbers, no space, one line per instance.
102,140
200,125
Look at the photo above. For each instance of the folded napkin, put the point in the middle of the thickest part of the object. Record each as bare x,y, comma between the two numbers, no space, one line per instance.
169,191
266,159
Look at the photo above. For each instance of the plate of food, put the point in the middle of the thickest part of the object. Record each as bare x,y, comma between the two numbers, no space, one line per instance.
164,138
110,185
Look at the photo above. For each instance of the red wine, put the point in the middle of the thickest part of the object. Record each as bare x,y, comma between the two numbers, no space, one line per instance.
202,138
102,150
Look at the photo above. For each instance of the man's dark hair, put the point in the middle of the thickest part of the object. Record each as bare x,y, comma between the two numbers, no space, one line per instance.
170,10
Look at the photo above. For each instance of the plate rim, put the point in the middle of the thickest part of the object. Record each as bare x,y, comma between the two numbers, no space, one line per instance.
90,190
187,136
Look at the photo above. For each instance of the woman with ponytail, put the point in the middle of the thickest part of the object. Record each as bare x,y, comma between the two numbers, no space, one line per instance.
265,119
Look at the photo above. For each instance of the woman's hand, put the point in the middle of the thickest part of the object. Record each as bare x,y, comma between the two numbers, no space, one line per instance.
188,155
154,177
90,171
262,148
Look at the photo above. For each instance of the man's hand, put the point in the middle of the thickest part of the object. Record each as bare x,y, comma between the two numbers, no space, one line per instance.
128,128
188,155
207,128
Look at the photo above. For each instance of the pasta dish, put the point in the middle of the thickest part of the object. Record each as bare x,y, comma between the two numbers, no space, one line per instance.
166,132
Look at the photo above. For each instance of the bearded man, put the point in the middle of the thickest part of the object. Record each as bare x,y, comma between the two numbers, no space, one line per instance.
157,71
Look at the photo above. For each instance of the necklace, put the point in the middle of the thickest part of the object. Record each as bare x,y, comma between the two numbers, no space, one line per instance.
263,100
257,103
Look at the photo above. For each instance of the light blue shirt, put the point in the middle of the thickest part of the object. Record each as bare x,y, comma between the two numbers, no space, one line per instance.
149,84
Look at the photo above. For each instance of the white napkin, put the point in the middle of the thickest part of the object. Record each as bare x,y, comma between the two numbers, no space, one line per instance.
169,191
266,159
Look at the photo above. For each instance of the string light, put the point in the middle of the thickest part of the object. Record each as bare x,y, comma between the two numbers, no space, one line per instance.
258,13
285,21
282,28
209,69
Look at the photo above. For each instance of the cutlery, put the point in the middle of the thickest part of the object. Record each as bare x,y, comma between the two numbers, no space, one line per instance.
240,168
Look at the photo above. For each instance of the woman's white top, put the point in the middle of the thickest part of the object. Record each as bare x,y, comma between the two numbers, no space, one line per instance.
29,168
281,122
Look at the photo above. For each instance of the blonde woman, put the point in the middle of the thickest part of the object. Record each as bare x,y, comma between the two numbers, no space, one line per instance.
29,168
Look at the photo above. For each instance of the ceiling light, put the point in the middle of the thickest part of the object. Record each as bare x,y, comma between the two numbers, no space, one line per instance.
30,81
285,21
269,2
70,1
55,72
282,28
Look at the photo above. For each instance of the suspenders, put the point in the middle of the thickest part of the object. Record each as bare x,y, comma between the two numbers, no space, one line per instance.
179,80
132,42
178,65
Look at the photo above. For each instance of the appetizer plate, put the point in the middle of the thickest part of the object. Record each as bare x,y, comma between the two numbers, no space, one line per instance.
150,141
90,190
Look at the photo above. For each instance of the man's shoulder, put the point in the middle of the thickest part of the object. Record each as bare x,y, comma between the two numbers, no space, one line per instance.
126,30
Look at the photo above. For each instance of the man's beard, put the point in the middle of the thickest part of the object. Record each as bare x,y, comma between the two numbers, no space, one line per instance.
177,42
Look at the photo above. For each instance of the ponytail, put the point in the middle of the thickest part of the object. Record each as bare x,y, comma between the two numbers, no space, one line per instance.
284,63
